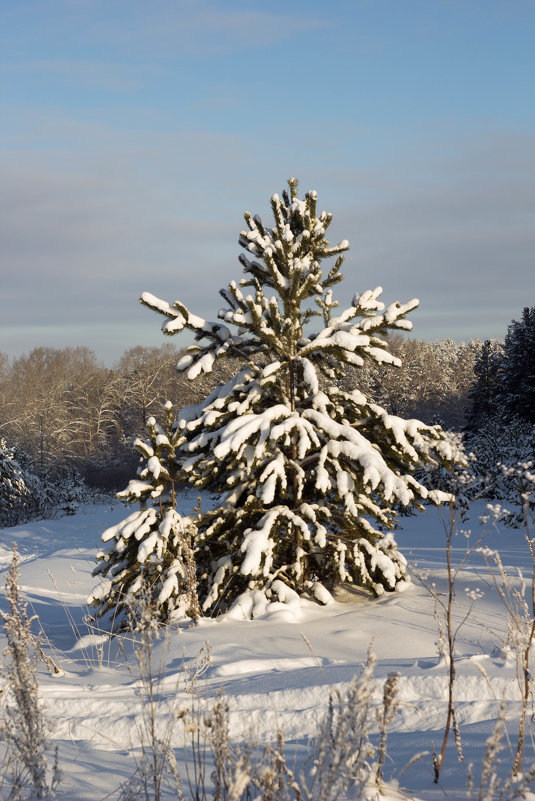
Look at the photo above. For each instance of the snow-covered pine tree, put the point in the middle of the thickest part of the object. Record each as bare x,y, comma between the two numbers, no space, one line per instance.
517,375
308,475
484,391
500,447
20,489
149,563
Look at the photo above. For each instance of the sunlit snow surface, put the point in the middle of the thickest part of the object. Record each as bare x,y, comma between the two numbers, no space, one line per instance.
276,671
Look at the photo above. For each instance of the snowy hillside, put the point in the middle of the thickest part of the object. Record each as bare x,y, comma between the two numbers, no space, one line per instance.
277,671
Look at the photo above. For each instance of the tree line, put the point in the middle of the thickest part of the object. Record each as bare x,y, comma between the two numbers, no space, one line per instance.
66,410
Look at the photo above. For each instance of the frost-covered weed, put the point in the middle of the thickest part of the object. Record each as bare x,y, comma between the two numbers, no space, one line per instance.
23,726
214,767
384,719
343,755
518,598
448,629
156,774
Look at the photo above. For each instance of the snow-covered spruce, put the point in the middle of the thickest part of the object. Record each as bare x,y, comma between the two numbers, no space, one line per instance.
149,562
20,489
503,451
308,476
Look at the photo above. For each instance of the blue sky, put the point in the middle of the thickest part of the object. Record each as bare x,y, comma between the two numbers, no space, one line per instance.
134,135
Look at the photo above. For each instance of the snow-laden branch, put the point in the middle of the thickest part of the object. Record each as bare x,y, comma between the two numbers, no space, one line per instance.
197,359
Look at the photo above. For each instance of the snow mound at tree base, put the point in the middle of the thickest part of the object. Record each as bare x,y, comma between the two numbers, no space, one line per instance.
279,602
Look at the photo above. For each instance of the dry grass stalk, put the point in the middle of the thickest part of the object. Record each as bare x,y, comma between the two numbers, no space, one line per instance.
384,719
24,726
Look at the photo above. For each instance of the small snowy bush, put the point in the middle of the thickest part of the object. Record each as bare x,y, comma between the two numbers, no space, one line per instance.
149,559
25,496
308,475
20,489
500,447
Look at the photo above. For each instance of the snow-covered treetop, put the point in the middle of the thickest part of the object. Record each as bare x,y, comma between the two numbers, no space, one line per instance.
270,307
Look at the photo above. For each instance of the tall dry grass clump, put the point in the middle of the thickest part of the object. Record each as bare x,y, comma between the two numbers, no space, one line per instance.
23,725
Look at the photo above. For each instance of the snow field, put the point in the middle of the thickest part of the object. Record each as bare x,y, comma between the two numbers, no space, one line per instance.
277,671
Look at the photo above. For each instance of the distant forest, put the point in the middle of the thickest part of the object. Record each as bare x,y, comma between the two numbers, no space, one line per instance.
63,413
64,409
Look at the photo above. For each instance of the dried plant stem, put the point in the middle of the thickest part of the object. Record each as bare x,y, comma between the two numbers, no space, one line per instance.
525,686
450,639
520,612
384,719
24,725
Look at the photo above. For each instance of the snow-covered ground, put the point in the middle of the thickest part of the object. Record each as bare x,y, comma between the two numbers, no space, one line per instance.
277,672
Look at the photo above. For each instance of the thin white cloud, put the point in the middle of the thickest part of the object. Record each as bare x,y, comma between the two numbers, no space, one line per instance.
109,76
86,229
199,27
457,229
